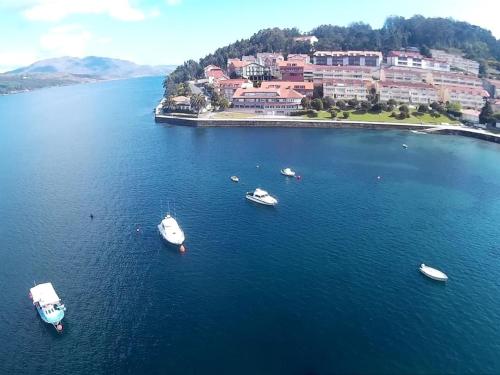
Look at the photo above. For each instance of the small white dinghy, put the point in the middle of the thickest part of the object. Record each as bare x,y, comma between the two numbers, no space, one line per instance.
405,145
433,273
235,179
288,172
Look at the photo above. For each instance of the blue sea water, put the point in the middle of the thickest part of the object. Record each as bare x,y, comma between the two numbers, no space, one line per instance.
326,282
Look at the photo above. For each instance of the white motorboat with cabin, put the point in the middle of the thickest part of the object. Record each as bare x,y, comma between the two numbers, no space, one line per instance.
433,273
288,172
235,179
262,197
171,231
48,304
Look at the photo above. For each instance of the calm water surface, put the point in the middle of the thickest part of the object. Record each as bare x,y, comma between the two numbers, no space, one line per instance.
327,282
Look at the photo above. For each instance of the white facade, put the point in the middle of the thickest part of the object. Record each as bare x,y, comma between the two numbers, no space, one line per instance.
321,73
407,92
470,115
347,90
395,74
468,97
416,60
348,58
455,79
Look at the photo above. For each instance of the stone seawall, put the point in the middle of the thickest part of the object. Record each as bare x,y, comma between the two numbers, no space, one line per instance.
285,123
324,124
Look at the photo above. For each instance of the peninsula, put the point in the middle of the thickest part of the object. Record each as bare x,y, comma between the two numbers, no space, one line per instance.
343,75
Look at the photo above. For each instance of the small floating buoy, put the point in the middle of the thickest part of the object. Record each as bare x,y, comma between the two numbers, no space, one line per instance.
91,216
378,177
182,249
59,327
299,177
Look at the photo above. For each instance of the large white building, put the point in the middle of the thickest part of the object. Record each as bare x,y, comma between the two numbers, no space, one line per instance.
345,58
411,75
468,97
321,73
406,92
455,79
411,59
347,89
457,61
279,101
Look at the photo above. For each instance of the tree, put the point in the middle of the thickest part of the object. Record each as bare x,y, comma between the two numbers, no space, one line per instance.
404,109
438,107
341,104
365,106
333,113
377,107
346,115
168,104
198,102
454,108
318,92
223,103
353,103
305,102
423,108
392,103
328,102
317,104
486,115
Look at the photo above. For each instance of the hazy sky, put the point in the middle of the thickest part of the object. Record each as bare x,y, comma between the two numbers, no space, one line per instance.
171,31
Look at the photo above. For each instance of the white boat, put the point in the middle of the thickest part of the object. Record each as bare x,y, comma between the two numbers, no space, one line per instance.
262,197
171,231
418,132
48,304
235,179
405,145
288,172
433,273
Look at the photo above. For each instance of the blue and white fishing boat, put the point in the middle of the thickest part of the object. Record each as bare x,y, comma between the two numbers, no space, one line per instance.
48,304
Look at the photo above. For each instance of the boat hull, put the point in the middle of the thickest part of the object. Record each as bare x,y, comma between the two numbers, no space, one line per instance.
256,200
433,274
172,239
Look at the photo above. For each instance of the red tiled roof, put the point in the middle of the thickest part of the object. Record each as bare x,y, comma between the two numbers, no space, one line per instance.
346,82
405,54
292,63
339,68
239,63
288,85
263,93
348,53
467,90
406,85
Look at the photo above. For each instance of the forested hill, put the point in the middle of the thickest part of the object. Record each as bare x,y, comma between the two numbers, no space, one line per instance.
398,32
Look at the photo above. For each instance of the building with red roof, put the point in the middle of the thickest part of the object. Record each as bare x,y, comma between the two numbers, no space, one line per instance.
345,58
304,88
347,89
407,92
292,70
227,87
278,101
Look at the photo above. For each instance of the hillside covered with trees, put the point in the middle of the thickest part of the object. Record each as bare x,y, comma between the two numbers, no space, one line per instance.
397,32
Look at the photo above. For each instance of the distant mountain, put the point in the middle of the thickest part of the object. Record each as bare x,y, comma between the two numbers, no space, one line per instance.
64,71
98,67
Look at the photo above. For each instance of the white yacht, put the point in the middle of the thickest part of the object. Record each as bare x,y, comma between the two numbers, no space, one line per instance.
262,197
235,179
288,172
170,231
433,273
48,304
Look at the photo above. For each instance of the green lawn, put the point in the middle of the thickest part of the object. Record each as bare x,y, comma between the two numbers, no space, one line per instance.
385,117
232,115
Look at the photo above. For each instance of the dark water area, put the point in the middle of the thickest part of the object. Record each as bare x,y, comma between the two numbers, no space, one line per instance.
326,282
